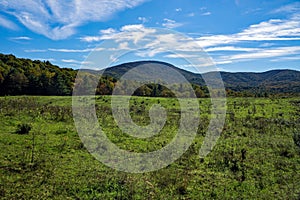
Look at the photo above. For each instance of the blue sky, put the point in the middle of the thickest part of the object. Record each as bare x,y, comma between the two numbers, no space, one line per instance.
239,35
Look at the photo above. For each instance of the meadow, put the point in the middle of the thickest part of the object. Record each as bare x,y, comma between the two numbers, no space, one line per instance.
256,157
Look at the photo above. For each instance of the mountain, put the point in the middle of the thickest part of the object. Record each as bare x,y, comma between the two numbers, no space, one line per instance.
23,76
274,81
119,70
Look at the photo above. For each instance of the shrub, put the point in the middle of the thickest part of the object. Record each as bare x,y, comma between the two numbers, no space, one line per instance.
23,129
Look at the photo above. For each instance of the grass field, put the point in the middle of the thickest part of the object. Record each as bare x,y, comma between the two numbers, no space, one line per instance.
256,157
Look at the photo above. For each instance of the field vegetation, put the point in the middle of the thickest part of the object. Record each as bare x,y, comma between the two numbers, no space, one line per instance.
256,157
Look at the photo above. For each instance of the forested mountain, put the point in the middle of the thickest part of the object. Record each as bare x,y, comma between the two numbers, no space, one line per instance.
23,76
274,81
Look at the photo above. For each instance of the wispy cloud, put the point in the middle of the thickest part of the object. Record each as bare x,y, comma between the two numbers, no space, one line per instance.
272,30
290,8
230,48
143,42
225,49
76,62
45,59
21,38
7,24
181,56
76,50
178,9
191,14
204,11
35,50
168,23
59,19
206,14
287,58
71,61
264,53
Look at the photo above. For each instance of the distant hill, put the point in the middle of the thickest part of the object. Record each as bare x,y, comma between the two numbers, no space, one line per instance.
23,76
274,81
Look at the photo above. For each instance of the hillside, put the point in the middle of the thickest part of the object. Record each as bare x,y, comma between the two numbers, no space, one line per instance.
274,81
23,76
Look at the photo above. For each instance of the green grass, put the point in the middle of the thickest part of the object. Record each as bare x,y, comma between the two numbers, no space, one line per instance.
255,157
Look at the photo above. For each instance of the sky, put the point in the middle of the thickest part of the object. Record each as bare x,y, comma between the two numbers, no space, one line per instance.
235,35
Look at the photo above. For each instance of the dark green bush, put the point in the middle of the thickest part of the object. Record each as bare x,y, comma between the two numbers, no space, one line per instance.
23,129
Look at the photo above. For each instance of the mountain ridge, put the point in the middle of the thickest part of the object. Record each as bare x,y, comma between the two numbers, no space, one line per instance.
272,80
23,76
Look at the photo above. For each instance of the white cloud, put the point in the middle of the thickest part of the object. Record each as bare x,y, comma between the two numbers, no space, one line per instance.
178,9
35,50
124,45
230,48
59,19
191,14
76,50
70,61
70,50
7,24
155,42
224,62
108,31
293,58
265,53
181,56
132,27
143,19
272,30
168,23
206,14
132,32
266,44
21,38
290,8
45,59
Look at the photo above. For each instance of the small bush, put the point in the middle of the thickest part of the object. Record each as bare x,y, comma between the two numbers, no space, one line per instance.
23,129
59,132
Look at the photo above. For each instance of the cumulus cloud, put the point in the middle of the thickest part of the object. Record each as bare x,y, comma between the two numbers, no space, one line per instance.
132,32
59,19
